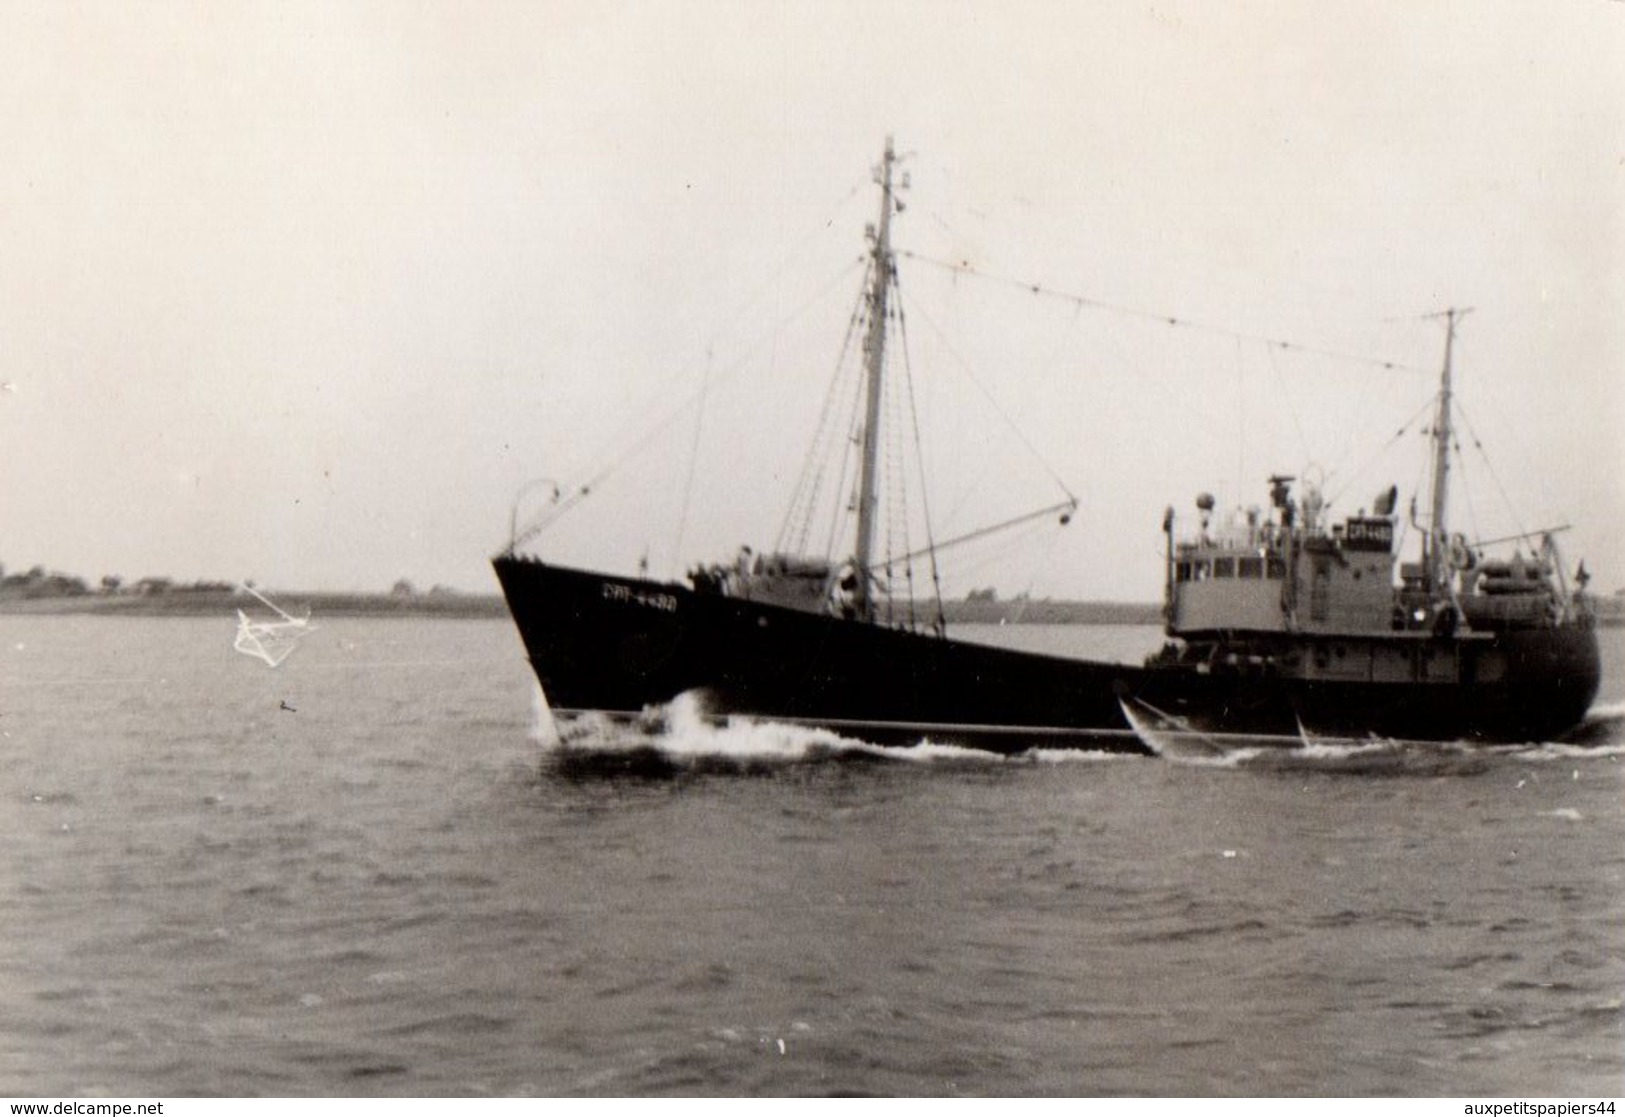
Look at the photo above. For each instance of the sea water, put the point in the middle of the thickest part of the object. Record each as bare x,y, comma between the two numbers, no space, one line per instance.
381,869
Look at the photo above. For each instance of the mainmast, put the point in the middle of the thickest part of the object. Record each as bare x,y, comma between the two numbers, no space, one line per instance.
874,351
1438,551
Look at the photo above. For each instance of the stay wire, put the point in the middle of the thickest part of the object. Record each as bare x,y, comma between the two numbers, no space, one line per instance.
850,501
897,521
804,497
1466,489
919,452
693,462
649,435
1383,449
1291,408
964,366
741,310
1166,319
1512,509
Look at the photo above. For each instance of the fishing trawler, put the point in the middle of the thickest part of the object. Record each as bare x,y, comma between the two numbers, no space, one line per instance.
1286,622
1282,626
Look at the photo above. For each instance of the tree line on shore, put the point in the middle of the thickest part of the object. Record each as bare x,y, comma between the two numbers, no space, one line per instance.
38,583
41,587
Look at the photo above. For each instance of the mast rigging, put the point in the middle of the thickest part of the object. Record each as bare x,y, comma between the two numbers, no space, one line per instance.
874,349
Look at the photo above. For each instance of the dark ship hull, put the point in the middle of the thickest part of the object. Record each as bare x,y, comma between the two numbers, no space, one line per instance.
623,645
1517,685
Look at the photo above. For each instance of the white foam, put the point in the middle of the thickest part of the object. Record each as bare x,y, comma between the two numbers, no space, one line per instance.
689,732
684,730
1559,750
1234,758
1075,756
544,728
1333,749
928,750
593,732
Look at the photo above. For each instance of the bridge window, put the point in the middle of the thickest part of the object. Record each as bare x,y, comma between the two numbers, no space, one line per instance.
1197,570
1276,569
1250,567
1224,568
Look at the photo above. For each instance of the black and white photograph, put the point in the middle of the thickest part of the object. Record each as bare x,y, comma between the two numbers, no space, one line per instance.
812,549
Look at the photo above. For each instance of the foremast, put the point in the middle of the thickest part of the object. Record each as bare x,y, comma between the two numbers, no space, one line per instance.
874,352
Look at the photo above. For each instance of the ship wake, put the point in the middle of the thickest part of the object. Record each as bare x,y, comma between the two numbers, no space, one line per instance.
1601,736
683,736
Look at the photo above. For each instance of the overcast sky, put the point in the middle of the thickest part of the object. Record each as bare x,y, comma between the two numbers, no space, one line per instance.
306,293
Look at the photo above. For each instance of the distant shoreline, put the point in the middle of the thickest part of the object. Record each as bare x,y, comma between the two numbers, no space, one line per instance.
474,606
202,603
